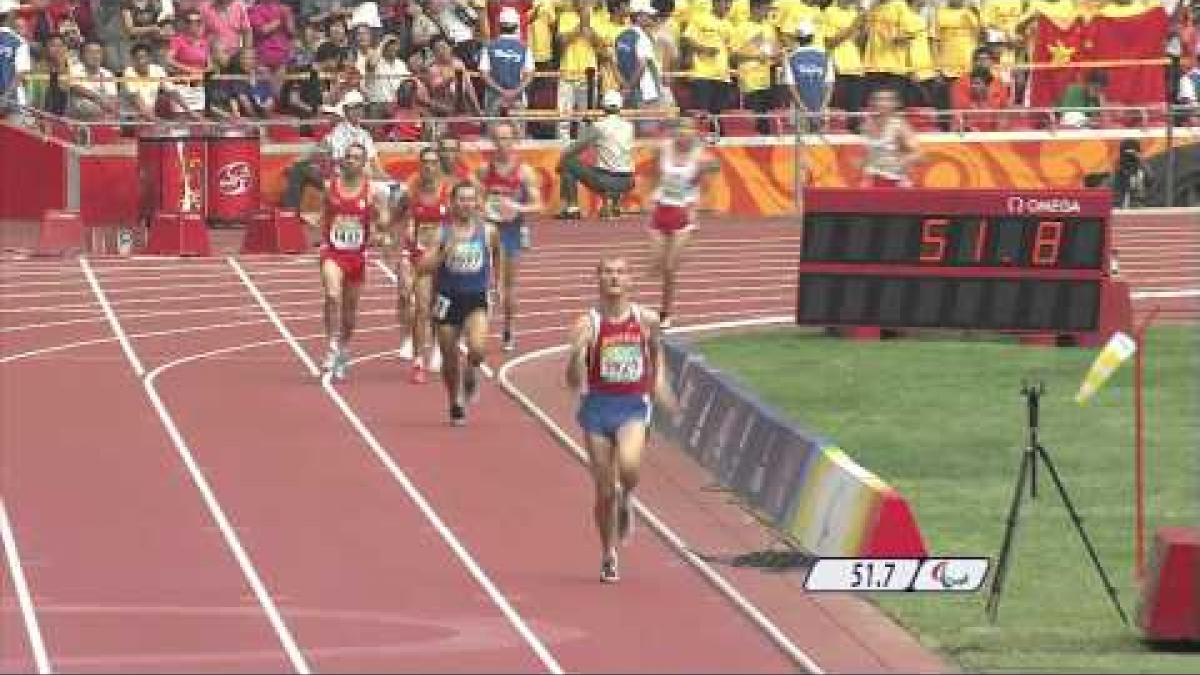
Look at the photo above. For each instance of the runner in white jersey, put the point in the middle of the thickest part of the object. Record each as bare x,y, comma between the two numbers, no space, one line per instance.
680,166
891,144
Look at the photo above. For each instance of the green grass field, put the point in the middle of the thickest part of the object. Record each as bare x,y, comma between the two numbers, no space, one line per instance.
944,422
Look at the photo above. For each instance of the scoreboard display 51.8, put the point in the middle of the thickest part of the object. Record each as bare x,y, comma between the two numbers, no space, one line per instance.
1004,260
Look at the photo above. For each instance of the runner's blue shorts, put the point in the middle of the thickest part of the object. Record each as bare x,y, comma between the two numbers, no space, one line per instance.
510,238
604,414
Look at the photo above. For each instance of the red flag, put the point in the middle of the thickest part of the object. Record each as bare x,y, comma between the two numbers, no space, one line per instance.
1140,36
1054,43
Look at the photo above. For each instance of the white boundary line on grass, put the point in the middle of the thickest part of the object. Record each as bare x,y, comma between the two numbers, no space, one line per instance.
755,615
468,561
287,641
28,614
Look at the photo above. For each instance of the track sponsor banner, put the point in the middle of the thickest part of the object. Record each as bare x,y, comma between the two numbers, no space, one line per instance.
757,178
808,487
770,473
697,390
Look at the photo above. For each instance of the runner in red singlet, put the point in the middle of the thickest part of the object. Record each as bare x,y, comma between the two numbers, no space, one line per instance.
426,211
511,192
349,216
616,354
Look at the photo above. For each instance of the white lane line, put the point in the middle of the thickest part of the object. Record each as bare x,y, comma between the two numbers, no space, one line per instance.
1183,293
132,336
409,487
699,271
773,632
696,241
113,322
82,290
210,499
33,630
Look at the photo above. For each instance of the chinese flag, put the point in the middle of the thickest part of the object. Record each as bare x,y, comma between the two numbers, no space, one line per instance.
1054,42
1140,35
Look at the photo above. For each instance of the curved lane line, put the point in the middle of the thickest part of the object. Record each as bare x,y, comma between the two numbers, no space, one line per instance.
210,500
385,458
752,612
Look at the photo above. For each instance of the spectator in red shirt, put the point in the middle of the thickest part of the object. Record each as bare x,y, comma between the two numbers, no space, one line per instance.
983,93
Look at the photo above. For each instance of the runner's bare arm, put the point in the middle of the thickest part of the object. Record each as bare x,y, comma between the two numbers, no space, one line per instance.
533,192
430,260
580,338
384,235
493,243
662,388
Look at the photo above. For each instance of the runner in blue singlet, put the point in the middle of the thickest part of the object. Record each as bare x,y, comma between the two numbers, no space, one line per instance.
462,266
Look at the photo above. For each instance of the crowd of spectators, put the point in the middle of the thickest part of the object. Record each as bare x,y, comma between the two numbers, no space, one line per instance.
419,62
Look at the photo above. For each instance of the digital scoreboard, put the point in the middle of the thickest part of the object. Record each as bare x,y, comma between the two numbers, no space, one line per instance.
1027,261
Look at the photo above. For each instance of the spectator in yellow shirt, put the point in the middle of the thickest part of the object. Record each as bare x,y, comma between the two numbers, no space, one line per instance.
707,36
845,28
999,19
543,17
789,14
608,24
886,52
756,50
956,38
578,42
923,75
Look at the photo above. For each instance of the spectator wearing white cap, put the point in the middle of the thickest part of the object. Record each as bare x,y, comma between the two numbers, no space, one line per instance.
637,62
14,61
612,175
346,133
808,75
506,66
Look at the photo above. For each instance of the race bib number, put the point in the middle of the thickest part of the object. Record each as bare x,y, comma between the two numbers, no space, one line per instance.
465,258
676,190
441,307
621,363
347,233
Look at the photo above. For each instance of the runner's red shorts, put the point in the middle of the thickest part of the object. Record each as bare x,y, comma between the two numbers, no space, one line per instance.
883,182
670,219
354,265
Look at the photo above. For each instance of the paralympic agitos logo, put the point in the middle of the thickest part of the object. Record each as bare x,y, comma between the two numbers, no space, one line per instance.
954,575
945,575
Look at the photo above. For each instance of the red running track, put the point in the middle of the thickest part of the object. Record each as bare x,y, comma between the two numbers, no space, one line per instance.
308,551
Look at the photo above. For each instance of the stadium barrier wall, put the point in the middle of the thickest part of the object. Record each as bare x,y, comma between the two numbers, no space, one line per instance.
758,175
808,488
33,172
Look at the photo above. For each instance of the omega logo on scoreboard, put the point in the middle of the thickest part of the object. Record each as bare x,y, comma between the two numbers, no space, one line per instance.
1020,205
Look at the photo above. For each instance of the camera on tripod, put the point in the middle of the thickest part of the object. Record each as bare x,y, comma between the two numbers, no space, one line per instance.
1034,454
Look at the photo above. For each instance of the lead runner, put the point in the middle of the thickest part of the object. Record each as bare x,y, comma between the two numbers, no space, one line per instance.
616,353
351,213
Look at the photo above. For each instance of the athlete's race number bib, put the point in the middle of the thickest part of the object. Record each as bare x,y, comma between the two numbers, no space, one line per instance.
441,307
621,363
499,208
676,190
465,257
347,233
